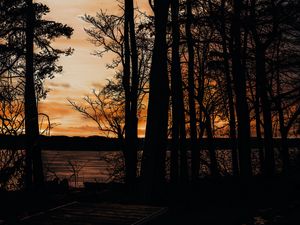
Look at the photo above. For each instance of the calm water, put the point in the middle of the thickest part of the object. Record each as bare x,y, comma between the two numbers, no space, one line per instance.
91,166
82,166
105,166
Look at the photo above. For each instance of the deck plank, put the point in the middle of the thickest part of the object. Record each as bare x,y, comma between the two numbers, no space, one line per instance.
77,213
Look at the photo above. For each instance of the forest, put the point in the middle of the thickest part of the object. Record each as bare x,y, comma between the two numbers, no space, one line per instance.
199,73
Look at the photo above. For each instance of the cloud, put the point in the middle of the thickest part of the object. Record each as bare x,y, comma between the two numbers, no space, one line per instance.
55,84
67,121
83,131
97,85
56,109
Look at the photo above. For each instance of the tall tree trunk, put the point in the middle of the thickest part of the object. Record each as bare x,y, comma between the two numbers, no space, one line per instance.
175,67
130,83
232,123
282,128
126,85
211,148
201,60
178,117
261,78
241,98
153,166
266,108
258,130
191,92
34,165
284,148
134,91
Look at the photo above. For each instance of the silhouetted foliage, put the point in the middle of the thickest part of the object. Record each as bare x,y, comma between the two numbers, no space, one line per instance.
120,101
208,69
23,72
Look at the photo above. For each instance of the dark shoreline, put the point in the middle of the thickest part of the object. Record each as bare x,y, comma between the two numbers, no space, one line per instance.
100,143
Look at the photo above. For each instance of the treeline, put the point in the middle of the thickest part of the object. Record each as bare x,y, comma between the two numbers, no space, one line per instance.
100,143
229,66
209,68
63,143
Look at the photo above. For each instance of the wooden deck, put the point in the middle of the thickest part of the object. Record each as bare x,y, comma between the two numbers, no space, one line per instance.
76,213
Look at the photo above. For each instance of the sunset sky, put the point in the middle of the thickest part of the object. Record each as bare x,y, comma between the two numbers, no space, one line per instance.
82,71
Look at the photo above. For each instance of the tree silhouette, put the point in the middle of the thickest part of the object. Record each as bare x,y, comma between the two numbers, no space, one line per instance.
153,164
261,79
34,167
178,116
239,77
24,69
126,91
131,81
105,111
191,90
219,15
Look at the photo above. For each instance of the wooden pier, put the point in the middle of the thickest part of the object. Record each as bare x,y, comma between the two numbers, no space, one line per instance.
77,213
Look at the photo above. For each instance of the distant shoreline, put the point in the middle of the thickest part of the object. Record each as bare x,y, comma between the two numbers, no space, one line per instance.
93,143
100,143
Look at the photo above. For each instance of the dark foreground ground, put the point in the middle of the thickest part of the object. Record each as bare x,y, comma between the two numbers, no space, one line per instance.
220,202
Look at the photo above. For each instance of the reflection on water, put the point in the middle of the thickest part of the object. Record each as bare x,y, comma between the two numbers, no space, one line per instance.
81,166
78,167
105,166
91,166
